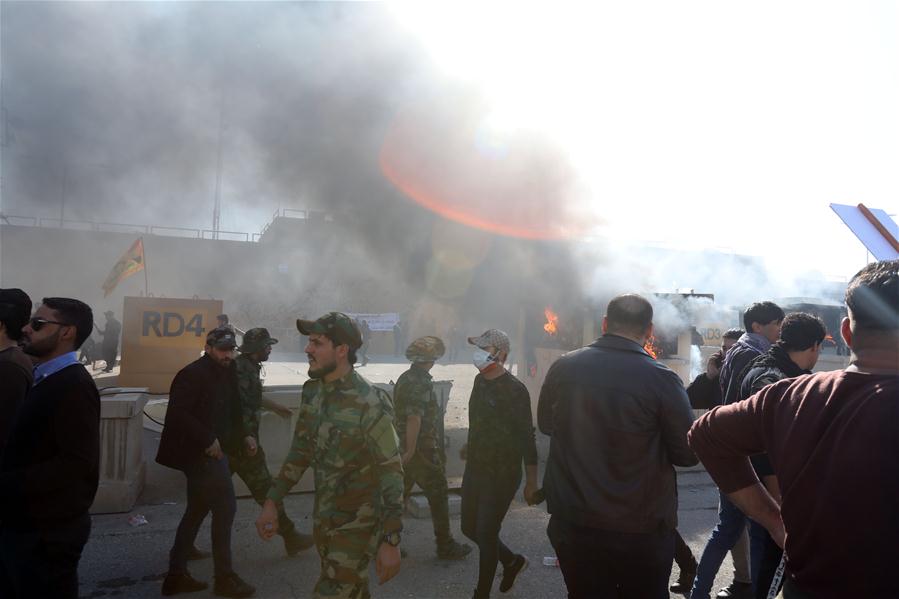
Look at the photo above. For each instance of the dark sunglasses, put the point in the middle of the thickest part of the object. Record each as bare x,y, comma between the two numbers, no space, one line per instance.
38,323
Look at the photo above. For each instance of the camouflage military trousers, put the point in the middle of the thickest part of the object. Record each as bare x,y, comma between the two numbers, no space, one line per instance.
429,472
253,471
345,552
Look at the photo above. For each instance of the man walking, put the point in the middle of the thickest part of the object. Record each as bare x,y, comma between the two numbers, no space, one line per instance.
110,347
345,433
831,437
794,354
417,424
248,459
763,321
500,440
51,464
200,425
618,423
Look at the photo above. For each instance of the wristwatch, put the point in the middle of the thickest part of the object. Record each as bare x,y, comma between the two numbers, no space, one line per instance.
392,538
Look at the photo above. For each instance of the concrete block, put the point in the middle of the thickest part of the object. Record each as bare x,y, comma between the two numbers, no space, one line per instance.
122,467
417,506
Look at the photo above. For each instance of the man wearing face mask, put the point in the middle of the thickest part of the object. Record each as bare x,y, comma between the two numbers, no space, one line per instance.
500,438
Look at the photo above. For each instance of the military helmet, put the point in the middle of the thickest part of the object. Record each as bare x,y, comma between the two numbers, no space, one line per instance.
425,349
256,340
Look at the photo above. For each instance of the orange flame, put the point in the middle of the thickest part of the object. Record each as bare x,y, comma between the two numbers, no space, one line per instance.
552,319
651,348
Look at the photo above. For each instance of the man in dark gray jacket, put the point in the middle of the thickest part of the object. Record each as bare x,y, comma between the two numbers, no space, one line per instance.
618,421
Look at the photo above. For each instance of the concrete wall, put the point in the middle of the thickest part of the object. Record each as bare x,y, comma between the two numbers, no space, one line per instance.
262,284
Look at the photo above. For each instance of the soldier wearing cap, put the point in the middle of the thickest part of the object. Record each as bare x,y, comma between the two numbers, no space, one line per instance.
417,424
248,458
345,433
500,438
200,425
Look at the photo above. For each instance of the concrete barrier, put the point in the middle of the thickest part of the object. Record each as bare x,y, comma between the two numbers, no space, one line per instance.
122,466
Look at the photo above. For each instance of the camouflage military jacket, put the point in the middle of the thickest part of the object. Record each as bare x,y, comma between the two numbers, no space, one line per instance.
501,427
249,386
345,433
413,395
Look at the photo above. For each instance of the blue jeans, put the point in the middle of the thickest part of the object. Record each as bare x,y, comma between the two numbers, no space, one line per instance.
209,489
731,524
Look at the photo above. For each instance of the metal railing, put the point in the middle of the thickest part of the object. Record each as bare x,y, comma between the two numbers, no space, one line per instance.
159,230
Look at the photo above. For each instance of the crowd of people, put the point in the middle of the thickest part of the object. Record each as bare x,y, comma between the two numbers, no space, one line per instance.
805,462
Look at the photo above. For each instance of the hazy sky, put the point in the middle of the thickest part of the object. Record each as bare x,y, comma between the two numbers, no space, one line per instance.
705,124
701,123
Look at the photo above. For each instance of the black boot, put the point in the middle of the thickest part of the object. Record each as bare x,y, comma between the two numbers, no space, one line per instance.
181,583
232,585
296,542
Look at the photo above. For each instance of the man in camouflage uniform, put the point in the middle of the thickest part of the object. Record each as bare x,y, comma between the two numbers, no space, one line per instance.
417,420
345,433
248,460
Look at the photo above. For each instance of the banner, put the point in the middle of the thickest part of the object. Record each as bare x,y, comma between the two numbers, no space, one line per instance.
130,263
377,322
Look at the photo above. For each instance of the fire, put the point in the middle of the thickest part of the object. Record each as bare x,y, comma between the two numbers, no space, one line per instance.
651,348
552,319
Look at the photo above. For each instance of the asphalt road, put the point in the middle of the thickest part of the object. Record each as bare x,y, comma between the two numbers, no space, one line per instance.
125,561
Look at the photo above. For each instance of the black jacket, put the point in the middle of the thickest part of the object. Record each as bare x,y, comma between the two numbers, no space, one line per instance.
767,369
203,407
51,464
618,421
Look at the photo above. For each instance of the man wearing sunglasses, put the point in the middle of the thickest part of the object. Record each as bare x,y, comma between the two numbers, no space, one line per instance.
50,467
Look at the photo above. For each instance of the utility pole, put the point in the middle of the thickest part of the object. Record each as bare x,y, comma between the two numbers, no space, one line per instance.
217,206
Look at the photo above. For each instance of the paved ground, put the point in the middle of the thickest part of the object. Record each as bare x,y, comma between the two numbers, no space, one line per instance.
125,561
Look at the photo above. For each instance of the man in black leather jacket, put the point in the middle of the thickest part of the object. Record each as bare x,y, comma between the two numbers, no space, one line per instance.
618,421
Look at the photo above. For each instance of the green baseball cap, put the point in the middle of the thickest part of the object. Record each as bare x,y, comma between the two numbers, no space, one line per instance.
256,340
337,326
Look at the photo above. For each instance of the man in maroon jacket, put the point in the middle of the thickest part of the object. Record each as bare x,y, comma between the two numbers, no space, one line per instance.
832,439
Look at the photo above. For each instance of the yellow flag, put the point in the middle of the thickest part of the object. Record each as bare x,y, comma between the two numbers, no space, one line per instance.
131,262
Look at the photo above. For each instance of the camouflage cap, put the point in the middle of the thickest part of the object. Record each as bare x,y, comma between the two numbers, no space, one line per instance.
221,338
337,326
256,340
425,349
491,338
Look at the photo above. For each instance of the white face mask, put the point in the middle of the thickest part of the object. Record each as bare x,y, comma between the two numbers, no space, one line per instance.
482,359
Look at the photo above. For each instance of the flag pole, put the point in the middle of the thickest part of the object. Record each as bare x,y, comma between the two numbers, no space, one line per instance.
146,278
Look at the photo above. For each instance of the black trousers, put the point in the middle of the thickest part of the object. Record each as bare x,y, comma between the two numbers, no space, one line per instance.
485,500
601,564
683,557
209,489
42,563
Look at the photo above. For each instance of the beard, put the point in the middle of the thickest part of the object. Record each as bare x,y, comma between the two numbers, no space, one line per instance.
42,347
322,370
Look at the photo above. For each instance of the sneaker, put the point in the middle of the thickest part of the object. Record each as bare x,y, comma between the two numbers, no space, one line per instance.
297,542
181,583
231,585
518,565
197,554
453,550
736,590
